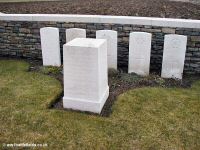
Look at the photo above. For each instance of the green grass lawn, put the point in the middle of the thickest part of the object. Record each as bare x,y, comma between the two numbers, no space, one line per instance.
144,118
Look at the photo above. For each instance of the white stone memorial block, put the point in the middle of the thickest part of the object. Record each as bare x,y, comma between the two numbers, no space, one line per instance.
174,56
111,37
85,74
75,33
139,53
50,46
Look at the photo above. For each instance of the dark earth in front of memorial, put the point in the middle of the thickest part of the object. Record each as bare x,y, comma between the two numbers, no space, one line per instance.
119,82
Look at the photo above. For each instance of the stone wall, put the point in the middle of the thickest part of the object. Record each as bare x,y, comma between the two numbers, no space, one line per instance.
22,39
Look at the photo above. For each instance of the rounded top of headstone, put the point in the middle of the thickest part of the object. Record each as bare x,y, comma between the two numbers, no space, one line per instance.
107,31
175,36
49,29
86,42
141,33
76,29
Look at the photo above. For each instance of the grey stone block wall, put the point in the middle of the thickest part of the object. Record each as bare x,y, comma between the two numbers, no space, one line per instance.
22,39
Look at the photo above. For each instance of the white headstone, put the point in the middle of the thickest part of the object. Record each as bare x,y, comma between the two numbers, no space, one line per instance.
111,37
85,74
50,44
73,33
139,53
174,56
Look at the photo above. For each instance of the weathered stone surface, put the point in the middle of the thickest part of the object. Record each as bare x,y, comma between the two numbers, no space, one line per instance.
150,30
24,30
68,25
168,30
111,37
50,46
195,38
174,56
127,28
139,53
75,33
81,25
85,74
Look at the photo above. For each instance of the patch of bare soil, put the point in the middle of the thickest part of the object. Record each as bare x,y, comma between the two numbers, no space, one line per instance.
188,1
147,8
121,82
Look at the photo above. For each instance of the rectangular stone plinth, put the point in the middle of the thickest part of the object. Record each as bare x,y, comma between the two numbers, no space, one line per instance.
50,46
85,74
174,56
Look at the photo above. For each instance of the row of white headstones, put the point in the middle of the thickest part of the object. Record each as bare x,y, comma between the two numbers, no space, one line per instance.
86,62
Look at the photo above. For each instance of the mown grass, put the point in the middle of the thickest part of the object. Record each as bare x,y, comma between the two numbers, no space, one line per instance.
50,70
144,118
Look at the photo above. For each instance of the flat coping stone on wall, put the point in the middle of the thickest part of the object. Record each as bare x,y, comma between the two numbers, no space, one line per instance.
151,21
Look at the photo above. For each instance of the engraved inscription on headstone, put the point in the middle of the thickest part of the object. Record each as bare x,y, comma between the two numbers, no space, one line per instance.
111,37
139,53
50,46
73,33
174,56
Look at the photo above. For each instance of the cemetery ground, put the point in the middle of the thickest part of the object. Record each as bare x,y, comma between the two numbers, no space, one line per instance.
153,114
146,8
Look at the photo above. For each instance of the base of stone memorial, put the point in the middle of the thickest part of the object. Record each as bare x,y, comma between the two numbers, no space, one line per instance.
86,105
